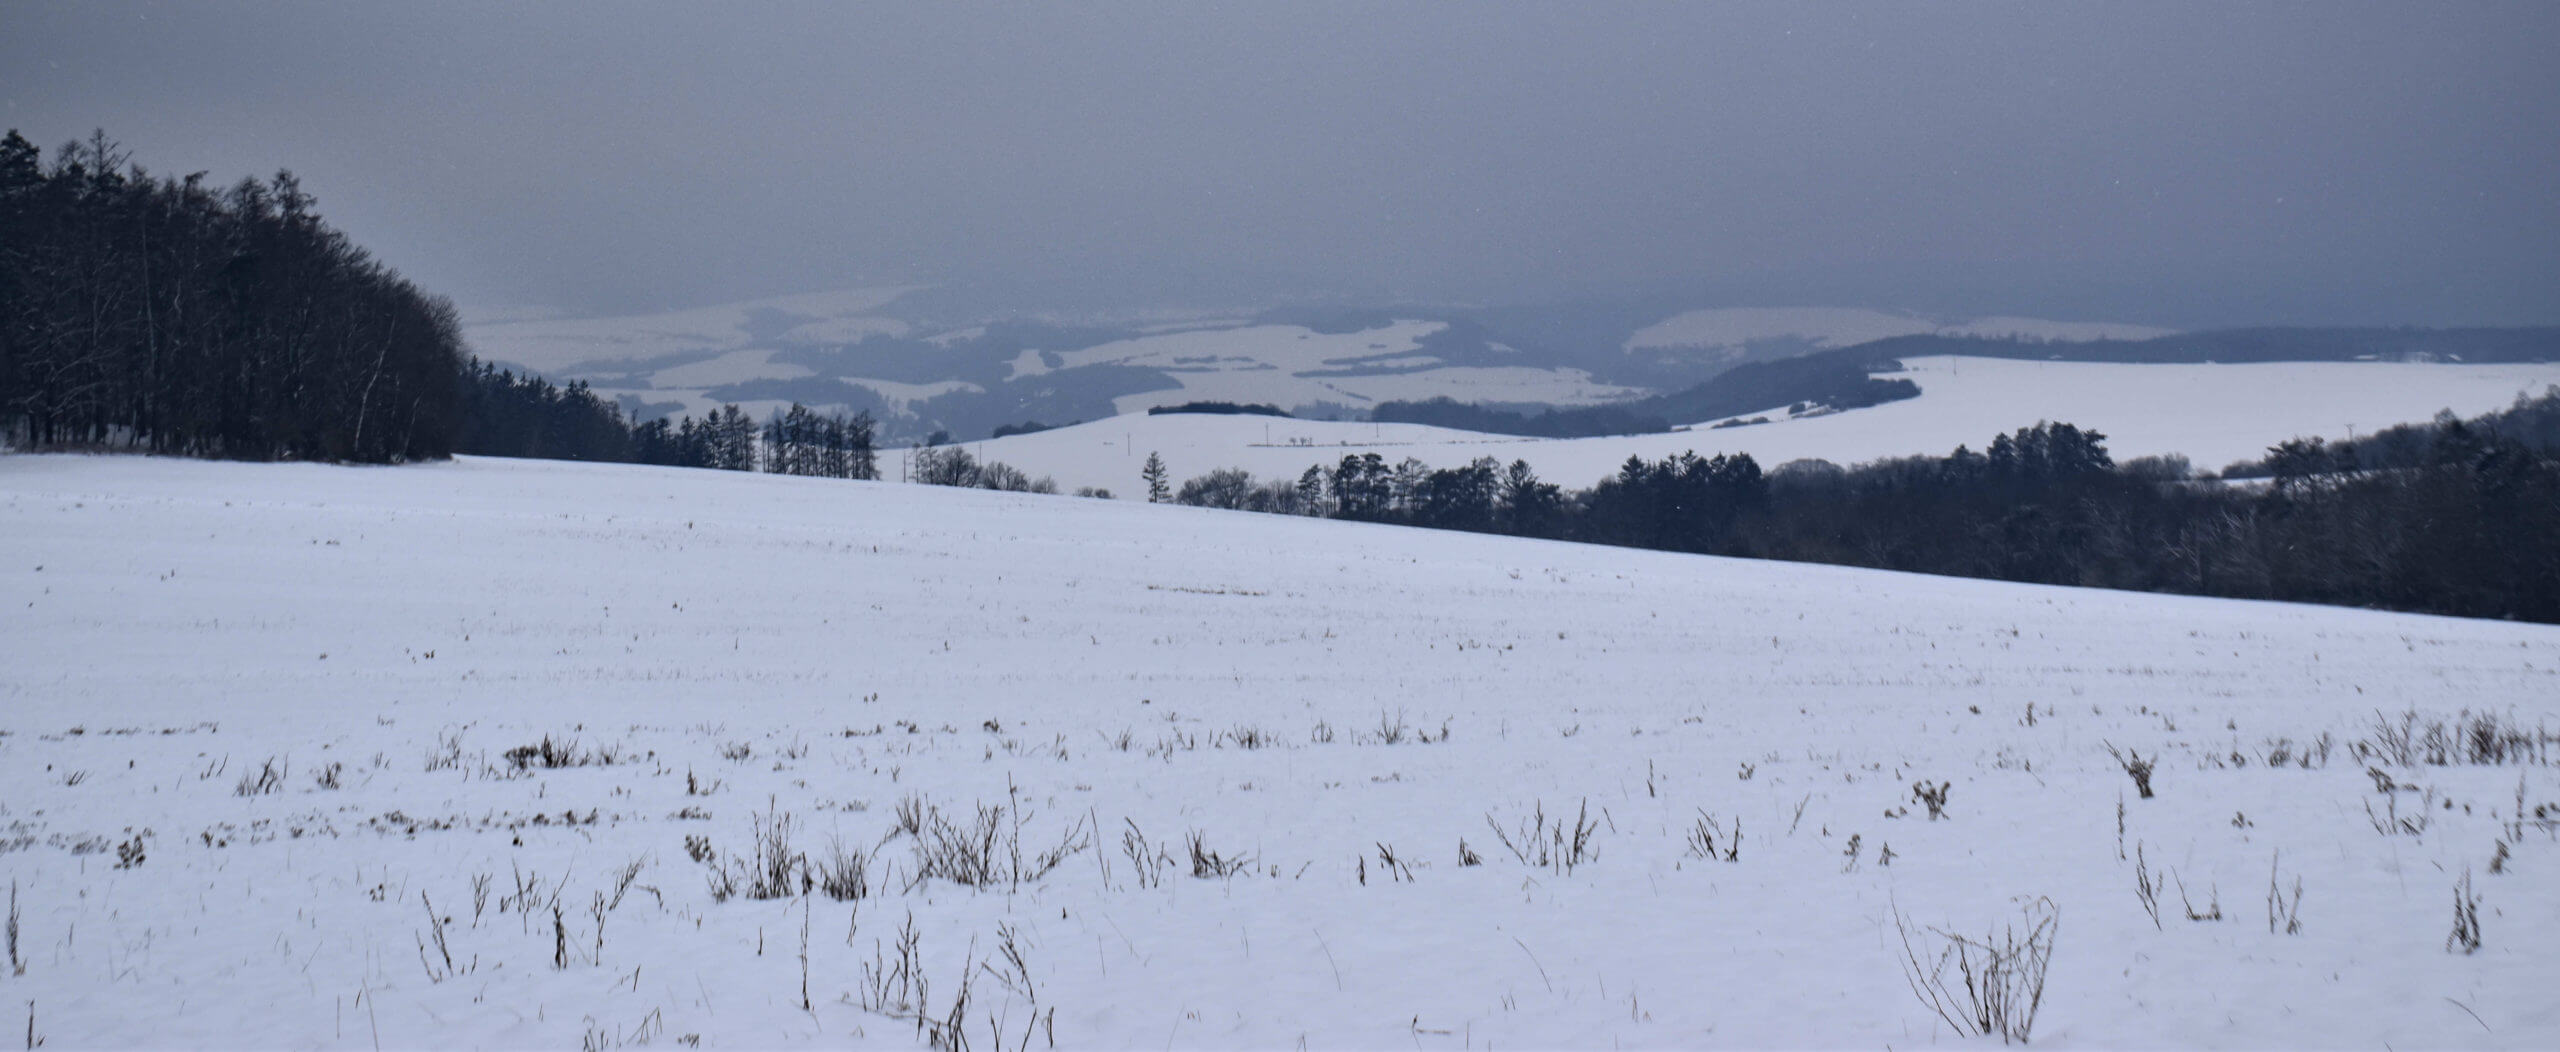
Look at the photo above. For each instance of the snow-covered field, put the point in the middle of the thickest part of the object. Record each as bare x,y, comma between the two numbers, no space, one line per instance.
2212,414
264,779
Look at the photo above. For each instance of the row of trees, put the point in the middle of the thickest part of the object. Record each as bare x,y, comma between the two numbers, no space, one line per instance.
2469,526
527,416
164,315
723,440
506,415
803,441
2531,422
796,441
953,466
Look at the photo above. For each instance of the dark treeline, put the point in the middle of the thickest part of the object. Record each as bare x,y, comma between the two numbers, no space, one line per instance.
2470,526
164,315
2534,423
505,415
1219,409
1027,427
1840,379
1551,423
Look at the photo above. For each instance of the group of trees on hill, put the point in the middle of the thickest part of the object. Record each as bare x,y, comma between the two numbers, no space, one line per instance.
2532,423
2454,517
953,466
1839,379
506,415
164,315
1219,409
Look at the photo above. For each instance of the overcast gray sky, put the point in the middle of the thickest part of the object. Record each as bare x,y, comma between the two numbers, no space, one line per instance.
2152,161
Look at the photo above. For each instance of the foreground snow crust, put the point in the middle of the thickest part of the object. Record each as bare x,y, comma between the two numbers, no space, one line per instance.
170,630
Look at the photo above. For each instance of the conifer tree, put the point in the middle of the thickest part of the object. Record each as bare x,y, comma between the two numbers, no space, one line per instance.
1158,490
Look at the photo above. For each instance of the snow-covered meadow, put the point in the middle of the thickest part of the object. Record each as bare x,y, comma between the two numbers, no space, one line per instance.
273,773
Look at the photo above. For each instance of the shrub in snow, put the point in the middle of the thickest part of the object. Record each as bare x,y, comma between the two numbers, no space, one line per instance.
1985,986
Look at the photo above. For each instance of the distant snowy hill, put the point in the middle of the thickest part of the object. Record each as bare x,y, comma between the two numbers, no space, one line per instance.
2212,414
1292,365
1743,334
631,346
921,369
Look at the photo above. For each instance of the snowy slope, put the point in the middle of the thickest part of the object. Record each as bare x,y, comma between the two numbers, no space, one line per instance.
825,650
2213,414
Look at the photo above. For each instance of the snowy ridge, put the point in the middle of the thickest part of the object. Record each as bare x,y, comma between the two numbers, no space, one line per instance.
855,350
571,346
1735,328
2212,414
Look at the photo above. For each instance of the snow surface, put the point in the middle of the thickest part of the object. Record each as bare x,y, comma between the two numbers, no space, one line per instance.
2212,414
825,650
1028,363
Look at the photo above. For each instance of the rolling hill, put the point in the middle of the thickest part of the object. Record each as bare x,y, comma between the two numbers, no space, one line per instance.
543,754
920,366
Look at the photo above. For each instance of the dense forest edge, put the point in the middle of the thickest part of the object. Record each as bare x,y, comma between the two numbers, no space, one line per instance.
161,315
166,316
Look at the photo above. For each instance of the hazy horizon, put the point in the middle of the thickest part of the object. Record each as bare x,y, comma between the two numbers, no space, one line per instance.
2180,165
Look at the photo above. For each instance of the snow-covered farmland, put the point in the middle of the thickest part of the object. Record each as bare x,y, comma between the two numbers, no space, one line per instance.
272,774
2212,414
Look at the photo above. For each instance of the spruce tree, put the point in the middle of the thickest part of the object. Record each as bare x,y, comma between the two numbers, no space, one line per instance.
1157,489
